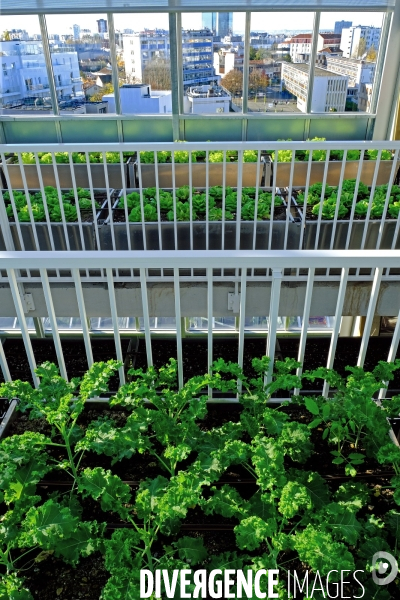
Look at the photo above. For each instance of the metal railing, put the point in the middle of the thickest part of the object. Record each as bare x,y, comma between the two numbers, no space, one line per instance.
176,300
262,205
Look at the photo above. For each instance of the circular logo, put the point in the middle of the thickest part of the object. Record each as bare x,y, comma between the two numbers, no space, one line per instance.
385,568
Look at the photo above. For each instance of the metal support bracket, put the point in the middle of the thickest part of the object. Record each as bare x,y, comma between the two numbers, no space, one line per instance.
234,302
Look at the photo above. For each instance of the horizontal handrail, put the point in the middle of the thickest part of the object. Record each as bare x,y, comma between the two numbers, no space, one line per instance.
193,146
202,259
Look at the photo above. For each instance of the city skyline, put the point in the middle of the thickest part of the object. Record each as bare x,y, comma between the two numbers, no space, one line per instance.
266,22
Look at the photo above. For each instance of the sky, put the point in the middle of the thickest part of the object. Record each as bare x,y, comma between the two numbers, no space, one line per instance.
62,24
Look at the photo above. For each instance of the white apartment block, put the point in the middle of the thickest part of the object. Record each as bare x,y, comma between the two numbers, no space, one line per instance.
329,92
140,49
206,99
24,76
351,39
358,71
300,45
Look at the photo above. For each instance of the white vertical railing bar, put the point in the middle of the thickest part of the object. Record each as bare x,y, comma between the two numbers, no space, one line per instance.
304,326
22,322
191,202
371,198
14,208
114,317
209,323
53,322
392,352
207,197
370,315
274,172
174,196
256,202
128,235
60,200
339,192
28,200
158,199
78,208
387,199
5,224
322,199
179,353
46,210
209,318
303,218
239,198
82,313
242,320
109,200
353,206
289,197
141,192
3,364
337,324
146,319
313,56
273,319
96,227
223,200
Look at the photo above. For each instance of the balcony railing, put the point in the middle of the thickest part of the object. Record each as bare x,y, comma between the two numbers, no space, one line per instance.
249,284
347,203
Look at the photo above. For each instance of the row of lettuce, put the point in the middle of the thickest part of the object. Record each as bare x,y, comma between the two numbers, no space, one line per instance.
289,517
214,156
218,204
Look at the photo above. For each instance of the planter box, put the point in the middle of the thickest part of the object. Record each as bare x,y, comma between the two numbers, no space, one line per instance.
215,174
216,233
333,174
64,175
341,233
58,233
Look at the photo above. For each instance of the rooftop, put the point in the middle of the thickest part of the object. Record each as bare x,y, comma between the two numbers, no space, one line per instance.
318,72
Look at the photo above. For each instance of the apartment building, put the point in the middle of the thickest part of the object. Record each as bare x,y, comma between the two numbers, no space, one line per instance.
358,71
340,25
24,77
329,90
351,43
300,45
197,55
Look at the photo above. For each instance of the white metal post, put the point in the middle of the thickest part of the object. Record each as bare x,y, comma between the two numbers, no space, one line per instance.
53,322
178,321
83,317
273,319
3,364
146,319
242,319
22,322
114,317
370,315
304,327
337,324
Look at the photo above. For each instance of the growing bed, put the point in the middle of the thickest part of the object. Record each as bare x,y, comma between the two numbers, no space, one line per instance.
171,482
44,215
200,219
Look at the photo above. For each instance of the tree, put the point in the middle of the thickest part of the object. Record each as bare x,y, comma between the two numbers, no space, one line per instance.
253,53
233,81
98,96
6,36
360,48
371,54
258,79
263,53
287,58
157,73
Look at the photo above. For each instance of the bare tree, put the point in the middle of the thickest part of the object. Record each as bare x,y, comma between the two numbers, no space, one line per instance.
157,73
360,48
